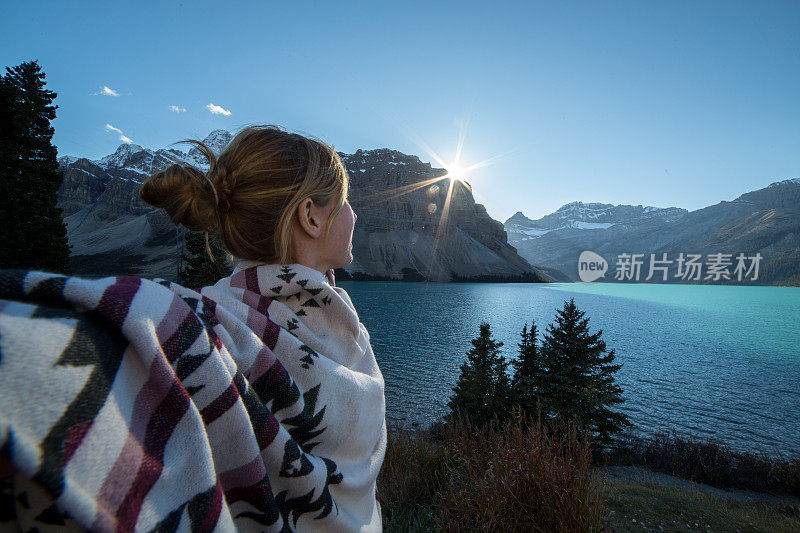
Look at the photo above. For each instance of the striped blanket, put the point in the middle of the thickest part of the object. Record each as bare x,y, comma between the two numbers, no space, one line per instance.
127,404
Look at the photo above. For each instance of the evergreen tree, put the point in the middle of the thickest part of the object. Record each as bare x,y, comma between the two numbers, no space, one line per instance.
578,375
35,235
198,268
483,387
528,370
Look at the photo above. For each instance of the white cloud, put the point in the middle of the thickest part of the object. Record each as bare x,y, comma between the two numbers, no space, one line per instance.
218,110
122,136
106,91
177,109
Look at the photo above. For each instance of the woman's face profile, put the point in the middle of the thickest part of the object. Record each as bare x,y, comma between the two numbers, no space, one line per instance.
318,244
338,246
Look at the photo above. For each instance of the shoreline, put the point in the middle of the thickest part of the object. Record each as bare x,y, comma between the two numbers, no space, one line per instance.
402,424
343,275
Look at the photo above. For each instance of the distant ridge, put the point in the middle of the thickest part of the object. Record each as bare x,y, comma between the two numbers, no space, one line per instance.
764,221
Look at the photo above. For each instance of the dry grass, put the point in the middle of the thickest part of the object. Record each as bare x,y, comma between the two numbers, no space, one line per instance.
634,506
526,476
522,476
708,461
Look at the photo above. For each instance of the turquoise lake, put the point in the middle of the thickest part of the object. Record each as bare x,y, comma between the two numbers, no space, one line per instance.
710,361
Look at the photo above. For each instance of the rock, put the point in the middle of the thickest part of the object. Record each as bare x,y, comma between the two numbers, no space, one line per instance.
398,233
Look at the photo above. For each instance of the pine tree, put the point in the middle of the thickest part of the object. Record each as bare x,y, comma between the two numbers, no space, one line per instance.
35,235
198,269
483,386
577,381
528,370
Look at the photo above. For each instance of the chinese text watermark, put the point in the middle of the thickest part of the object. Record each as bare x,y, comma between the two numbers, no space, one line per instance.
687,267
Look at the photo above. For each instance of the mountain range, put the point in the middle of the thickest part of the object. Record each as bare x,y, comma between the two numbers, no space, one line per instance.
397,235
764,222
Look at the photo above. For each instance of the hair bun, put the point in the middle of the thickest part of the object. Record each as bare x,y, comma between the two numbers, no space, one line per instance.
252,191
185,194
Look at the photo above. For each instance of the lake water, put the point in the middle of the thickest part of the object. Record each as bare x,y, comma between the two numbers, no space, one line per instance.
719,361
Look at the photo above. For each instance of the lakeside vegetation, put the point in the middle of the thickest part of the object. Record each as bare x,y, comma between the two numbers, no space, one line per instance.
526,475
530,452
706,461
515,476
566,375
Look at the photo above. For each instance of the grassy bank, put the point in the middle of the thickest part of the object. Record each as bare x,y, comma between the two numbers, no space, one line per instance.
707,461
643,506
526,476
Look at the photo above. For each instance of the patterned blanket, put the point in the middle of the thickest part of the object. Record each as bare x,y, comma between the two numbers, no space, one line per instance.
130,404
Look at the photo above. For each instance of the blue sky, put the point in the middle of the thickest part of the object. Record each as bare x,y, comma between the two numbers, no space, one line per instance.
655,103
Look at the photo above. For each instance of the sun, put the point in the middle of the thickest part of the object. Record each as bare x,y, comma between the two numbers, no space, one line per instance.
455,172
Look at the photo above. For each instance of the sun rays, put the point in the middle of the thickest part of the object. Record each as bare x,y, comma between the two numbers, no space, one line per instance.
435,205
455,173
442,227
384,196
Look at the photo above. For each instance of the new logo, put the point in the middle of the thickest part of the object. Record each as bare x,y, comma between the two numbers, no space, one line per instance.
591,266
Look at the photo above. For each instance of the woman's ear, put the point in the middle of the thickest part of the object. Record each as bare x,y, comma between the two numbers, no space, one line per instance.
309,218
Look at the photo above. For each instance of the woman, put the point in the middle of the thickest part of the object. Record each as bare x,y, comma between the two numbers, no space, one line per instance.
252,404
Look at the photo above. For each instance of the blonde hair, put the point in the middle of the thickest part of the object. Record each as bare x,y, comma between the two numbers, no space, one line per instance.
252,190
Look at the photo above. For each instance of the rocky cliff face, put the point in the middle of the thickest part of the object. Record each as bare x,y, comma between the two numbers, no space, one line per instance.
397,234
110,229
765,221
400,230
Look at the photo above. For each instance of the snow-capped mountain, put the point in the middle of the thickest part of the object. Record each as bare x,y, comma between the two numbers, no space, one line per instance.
123,155
67,159
764,221
217,140
785,182
144,161
585,216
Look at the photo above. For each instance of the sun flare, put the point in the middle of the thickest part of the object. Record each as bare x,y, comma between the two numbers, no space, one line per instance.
455,172
438,190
